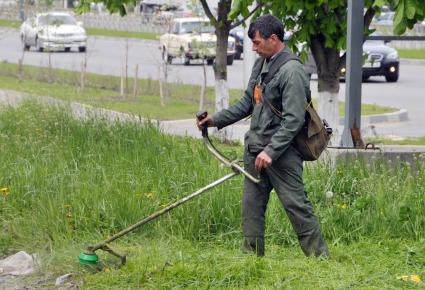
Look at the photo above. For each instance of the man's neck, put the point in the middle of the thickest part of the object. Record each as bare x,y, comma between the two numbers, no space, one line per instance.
278,49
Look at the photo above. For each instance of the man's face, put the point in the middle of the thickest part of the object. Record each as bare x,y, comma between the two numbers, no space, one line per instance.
264,47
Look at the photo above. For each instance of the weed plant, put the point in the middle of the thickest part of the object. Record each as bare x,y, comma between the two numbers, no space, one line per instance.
67,182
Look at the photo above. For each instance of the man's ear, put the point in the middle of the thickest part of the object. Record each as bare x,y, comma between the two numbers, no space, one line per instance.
274,37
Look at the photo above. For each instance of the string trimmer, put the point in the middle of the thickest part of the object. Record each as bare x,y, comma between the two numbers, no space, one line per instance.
89,256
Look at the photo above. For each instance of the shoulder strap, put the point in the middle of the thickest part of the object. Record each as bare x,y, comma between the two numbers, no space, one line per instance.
282,58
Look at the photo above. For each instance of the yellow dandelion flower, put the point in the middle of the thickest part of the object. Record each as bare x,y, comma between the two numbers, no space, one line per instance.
410,278
5,191
66,205
342,206
149,195
415,278
107,270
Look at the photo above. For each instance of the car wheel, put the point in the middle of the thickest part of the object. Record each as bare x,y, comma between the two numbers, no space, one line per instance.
210,61
185,59
230,59
38,46
391,78
82,49
166,56
25,46
67,49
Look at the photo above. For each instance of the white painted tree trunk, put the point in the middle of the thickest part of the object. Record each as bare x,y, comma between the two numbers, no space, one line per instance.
222,102
328,109
203,87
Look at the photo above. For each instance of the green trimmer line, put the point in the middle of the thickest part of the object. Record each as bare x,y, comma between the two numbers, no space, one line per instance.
89,256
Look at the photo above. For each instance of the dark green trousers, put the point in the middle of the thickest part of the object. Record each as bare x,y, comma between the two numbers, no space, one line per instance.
285,175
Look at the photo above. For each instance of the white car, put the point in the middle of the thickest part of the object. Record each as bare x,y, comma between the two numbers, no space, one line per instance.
53,31
192,38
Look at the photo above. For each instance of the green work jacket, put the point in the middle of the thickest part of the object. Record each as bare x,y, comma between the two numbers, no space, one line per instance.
287,91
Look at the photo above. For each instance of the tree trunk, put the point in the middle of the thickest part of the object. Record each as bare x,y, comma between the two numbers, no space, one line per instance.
204,87
222,101
328,72
328,107
222,27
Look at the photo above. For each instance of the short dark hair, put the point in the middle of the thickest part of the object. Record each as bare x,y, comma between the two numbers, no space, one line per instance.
266,25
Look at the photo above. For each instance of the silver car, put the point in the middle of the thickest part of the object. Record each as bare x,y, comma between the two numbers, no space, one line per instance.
53,31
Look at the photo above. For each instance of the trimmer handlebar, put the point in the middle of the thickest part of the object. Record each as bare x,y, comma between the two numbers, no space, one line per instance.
200,116
232,164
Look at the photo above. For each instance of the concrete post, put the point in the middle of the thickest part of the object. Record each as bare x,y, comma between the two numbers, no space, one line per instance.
353,88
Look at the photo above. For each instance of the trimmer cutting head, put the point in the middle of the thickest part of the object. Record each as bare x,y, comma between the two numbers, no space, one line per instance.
88,258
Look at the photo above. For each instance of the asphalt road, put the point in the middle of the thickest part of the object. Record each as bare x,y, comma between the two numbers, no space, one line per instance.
107,56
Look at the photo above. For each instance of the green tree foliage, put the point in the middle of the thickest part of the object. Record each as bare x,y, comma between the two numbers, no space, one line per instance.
322,26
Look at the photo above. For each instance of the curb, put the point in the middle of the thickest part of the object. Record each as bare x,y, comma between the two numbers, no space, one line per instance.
399,116
412,61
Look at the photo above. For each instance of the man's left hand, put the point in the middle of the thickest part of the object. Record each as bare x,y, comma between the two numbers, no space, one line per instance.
262,161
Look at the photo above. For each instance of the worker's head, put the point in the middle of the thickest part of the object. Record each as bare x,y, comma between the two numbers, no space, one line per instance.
266,33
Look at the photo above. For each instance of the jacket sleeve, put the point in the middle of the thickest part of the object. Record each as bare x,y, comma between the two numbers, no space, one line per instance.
236,112
294,88
243,108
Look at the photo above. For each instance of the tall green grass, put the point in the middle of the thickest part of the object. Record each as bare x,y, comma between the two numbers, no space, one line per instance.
71,182
69,179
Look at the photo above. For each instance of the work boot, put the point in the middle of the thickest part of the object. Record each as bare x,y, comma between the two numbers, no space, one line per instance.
312,242
253,245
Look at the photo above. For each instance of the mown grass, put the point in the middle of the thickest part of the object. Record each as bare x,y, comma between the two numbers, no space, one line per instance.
96,31
419,141
124,34
71,183
10,23
182,101
412,53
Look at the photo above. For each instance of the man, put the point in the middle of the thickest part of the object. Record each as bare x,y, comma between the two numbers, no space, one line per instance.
278,109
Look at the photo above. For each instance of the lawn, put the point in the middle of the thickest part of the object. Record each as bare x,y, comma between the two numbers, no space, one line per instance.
124,34
418,141
96,31
103,91
10,23
67,183
412,53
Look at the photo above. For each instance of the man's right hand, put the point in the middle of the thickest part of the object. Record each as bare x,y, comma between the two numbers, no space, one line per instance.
208,121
